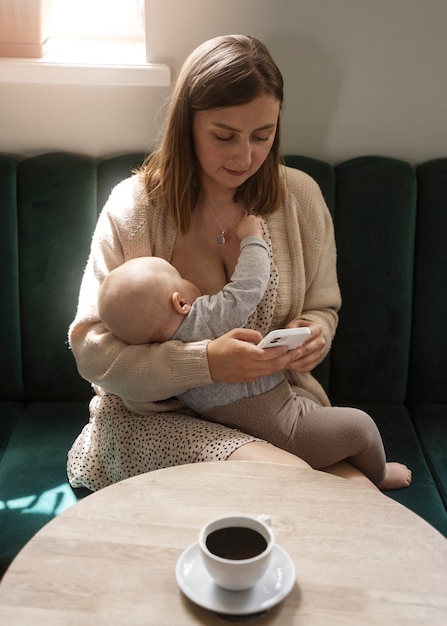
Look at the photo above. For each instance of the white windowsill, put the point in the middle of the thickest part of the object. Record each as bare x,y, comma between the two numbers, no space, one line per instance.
88,62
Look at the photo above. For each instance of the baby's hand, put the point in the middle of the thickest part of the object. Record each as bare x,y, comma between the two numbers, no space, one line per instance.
250,225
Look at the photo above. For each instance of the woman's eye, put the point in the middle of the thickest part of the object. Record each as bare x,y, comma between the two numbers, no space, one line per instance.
224,138
262,138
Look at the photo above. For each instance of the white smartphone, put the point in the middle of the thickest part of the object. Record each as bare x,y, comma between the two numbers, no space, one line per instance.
290,337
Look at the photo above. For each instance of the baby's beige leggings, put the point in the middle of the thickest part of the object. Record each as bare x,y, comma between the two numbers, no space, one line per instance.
319,435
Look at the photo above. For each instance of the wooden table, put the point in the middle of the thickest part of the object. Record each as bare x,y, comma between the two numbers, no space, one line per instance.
360,557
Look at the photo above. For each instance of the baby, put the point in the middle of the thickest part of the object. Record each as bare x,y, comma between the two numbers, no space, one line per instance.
146,300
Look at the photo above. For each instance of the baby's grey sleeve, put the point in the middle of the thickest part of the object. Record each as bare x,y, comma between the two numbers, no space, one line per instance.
231,307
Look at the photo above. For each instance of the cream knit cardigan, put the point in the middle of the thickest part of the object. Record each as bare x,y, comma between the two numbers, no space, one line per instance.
304,252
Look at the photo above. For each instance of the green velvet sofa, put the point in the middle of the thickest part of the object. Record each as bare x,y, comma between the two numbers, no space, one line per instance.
389,356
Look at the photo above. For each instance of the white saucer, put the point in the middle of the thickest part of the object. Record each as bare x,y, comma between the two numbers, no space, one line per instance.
198,586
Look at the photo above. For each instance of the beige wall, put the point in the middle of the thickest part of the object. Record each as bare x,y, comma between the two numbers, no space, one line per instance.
362,77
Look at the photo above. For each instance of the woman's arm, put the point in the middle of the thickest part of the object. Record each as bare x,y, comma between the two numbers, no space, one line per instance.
321,304
310,285
144,373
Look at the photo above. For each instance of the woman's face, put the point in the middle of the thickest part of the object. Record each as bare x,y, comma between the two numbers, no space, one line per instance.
231,143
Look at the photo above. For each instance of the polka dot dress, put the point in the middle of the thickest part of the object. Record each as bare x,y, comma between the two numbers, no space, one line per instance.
117,444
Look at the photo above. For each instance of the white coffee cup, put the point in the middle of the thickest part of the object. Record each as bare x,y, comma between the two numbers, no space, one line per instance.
236,549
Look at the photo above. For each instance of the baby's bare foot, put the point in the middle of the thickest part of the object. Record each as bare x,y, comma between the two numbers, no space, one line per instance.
397,476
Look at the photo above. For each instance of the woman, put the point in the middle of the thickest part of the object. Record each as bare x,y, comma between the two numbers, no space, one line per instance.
218,159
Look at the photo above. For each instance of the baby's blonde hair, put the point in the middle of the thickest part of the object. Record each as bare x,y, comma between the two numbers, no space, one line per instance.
134,301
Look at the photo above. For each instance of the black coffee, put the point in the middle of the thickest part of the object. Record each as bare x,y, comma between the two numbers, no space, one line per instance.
236,543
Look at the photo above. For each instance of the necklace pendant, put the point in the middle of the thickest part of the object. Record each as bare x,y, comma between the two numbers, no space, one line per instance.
221,238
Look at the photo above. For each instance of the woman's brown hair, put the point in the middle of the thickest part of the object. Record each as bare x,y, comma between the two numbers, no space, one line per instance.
223,72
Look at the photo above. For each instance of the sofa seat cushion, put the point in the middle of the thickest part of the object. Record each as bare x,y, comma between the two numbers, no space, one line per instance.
33,480
402,444
431,425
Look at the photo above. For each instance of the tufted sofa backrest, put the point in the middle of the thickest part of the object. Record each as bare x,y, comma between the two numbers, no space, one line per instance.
390,220
48,211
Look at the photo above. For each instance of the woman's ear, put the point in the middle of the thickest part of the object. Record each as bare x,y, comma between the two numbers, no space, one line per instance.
180,304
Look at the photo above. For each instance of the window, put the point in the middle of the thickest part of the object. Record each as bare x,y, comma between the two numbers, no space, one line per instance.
97,42
97,32
112,19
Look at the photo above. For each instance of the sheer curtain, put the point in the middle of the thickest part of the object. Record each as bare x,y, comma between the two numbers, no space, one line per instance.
24,27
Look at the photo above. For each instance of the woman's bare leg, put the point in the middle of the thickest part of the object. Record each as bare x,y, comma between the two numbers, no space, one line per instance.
344,469
266,452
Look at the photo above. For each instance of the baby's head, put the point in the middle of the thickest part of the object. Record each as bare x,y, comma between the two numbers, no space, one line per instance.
144,300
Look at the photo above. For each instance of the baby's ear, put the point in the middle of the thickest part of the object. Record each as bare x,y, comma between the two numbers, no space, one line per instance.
180,304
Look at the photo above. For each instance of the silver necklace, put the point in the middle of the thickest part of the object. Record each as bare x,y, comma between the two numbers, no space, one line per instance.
222,237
